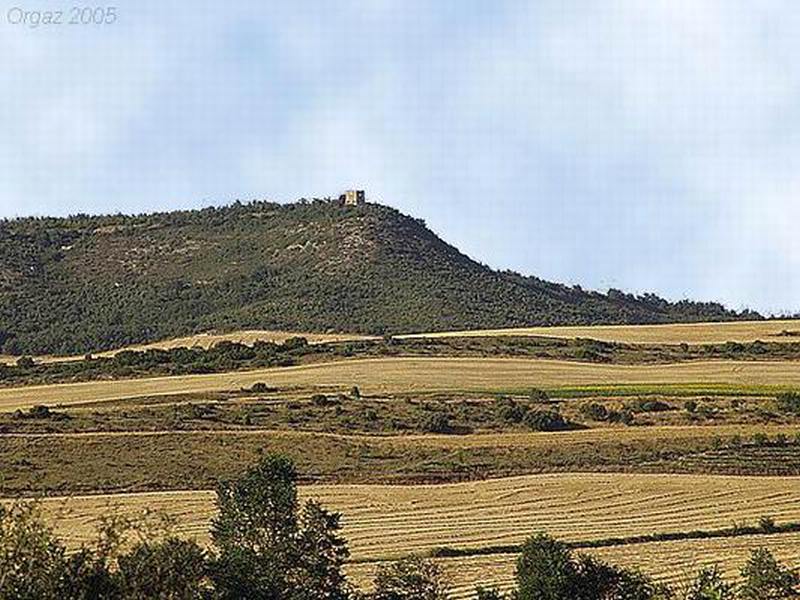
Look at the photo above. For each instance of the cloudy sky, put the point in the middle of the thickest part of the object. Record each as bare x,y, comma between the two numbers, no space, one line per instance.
645,145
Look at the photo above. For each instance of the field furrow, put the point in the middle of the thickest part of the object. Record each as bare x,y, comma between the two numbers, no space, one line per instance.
383,521
410,375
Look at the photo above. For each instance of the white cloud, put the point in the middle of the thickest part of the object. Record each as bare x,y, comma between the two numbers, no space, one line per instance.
645,145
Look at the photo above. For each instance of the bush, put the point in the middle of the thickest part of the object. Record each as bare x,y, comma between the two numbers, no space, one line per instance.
766,524
537,395
623,416
25,362
488,594
788,402
650,406
509,411
546,571
323,400
594,411
412,578
33,564
690,406
261,388
437,423
544,420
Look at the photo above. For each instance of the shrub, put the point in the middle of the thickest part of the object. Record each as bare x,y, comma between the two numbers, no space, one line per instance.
436,423
323,400
766,524
594,411
546,570
650,406
509,411
537,395
295,343
788,402
25,362
482,593
262,388
355,393
623,416
412,578
690,406
545,420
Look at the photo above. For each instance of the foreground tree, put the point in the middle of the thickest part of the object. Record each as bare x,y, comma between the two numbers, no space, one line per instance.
267,549
546,570
766,579
709,585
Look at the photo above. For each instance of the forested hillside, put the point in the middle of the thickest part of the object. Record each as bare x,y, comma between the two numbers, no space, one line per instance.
88,283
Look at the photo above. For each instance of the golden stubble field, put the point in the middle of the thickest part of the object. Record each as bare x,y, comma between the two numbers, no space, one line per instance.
689,333
672,562
383,522
408,375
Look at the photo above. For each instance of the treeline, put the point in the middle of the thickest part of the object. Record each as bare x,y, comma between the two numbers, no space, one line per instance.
266,545
231,356
83,283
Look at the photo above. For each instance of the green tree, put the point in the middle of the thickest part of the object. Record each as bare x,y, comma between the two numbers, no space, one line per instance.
546,571
267,550
766,579
411,578
172,569
709,585
32,563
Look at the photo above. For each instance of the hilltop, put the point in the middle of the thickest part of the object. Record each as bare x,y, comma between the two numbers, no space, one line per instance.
89,283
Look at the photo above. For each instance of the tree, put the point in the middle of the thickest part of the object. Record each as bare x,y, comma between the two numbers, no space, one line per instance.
267,551
766,579
32,563
709,585
411,578
169,570
546,571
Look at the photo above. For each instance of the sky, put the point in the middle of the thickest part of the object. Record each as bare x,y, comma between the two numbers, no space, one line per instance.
641,145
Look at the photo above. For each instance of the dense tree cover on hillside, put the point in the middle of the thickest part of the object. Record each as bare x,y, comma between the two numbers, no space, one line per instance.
267,546
87,283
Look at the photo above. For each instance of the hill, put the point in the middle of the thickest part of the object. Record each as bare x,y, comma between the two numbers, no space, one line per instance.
89,283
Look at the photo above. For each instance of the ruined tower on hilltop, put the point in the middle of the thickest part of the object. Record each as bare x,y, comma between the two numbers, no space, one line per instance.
353,198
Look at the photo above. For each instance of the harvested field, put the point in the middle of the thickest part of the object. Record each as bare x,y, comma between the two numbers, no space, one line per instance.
690,333
670,562
421,375
389,521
